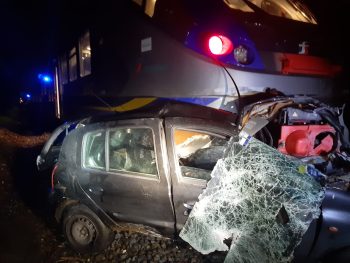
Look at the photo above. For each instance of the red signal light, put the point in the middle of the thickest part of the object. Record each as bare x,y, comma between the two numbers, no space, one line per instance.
220,45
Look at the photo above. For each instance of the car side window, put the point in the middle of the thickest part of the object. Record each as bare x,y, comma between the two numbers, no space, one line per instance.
94,150
198,152
132,150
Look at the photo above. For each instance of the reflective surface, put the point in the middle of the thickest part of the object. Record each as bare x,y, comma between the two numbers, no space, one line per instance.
291,9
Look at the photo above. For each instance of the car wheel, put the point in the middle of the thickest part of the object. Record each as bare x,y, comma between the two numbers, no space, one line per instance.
85,232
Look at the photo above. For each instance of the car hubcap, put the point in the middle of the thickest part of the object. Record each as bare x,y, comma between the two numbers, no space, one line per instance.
83,231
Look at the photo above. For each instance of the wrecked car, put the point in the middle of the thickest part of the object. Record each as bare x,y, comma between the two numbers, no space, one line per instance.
150,167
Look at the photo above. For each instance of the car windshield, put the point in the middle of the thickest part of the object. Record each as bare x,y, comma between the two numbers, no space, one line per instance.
290,9
260,199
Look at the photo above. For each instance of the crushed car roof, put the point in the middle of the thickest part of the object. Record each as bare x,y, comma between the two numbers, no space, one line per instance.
167,108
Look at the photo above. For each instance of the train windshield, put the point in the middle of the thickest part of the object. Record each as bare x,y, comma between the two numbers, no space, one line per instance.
290,9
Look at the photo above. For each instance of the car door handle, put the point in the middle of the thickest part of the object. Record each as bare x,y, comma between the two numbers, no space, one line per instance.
189,207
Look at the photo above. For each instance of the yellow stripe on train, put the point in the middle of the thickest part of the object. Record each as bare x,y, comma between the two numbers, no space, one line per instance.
128,106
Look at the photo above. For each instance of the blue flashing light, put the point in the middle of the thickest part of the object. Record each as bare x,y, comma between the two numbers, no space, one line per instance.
45,78
28,96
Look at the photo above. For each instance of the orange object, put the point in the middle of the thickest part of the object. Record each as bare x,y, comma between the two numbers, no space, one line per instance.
308,65
307,140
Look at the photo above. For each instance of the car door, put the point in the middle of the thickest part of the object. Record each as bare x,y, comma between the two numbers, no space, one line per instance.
194,147
127,178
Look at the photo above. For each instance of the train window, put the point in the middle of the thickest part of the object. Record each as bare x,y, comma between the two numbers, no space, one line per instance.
73,64
149,7
283,8
63,69
239,5
139,2
289,9
85,55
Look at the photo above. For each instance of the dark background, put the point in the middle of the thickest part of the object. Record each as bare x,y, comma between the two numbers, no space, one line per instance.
30,33
334,21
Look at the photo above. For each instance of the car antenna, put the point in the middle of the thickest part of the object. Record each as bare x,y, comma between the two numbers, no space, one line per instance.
239,101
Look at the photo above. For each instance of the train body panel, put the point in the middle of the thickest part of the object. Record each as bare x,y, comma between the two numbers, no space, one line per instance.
168,55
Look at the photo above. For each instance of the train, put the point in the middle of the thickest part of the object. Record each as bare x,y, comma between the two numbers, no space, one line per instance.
210,53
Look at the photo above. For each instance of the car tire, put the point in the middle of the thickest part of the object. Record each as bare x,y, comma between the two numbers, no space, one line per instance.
85,231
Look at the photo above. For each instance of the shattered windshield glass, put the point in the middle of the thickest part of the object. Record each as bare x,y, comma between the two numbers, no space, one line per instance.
259,200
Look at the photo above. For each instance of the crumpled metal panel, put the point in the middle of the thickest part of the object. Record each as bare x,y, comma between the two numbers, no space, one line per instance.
246,200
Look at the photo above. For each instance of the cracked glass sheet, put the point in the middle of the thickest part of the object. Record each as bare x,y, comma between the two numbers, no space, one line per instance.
242,200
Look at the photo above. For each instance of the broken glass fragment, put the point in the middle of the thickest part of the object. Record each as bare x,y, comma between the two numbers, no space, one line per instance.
258,198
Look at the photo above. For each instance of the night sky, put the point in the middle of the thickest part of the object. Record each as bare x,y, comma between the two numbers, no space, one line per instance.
26,43
28,31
